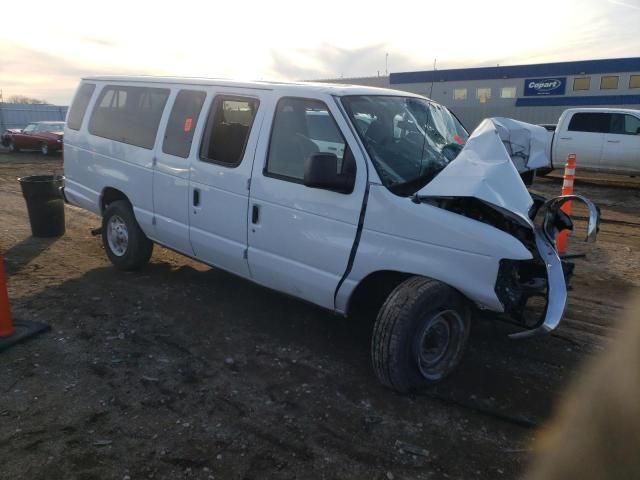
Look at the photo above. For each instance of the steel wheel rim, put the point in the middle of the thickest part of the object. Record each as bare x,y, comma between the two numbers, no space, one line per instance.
117,236
436,343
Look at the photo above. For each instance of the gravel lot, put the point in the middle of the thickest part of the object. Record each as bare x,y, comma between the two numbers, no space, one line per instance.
183,371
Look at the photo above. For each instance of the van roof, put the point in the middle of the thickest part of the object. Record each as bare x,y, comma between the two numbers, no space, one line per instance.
282,87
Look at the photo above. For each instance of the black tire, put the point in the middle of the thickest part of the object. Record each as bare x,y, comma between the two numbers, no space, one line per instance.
133,253
541,172
418,313
12,147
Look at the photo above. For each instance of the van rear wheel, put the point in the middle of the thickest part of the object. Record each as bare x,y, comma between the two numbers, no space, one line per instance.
126,245
420,334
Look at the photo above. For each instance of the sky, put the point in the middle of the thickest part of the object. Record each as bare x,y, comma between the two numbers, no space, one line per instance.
47,46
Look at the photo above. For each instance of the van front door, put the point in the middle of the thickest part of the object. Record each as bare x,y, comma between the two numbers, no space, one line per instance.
219,183
171,172
300,238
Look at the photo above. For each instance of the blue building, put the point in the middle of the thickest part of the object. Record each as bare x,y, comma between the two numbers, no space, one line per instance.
533,93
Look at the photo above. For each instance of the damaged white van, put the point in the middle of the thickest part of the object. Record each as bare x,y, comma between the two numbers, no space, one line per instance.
347,197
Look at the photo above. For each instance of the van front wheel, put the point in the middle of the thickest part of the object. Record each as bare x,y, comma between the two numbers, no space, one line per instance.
420,334
126,245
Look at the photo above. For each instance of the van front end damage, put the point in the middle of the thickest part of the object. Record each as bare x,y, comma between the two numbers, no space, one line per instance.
546,276
484,183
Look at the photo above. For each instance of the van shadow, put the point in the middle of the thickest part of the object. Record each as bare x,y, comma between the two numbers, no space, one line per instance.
208,317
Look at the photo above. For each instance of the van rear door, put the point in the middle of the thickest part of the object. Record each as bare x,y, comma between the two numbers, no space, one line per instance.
171,170
301,238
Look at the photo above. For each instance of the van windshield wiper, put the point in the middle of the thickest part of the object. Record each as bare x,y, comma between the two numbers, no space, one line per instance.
412,186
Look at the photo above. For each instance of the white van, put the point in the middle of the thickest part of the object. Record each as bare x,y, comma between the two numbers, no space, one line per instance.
348,197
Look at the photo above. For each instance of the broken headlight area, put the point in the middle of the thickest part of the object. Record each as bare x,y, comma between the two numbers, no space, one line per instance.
523,289
484,212
533,292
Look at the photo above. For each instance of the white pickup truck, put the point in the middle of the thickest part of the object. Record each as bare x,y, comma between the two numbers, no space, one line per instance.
603,139
351,198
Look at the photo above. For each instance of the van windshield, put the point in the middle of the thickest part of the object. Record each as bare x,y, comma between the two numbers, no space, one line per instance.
409,140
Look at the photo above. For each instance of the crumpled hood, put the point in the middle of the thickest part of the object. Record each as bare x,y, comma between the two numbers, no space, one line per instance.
486,170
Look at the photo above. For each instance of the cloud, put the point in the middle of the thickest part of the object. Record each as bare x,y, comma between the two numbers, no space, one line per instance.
329,61
624,4
101,42
38,74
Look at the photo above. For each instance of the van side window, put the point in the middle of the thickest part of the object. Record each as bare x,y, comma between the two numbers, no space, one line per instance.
301,127
129,114
182,122
79,106
227,131
590,122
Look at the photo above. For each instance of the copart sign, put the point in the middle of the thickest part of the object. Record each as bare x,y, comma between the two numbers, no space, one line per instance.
545,86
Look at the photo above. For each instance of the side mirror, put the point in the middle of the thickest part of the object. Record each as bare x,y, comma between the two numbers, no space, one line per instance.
321,171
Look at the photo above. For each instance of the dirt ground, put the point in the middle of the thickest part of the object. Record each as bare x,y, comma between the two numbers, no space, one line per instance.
183,371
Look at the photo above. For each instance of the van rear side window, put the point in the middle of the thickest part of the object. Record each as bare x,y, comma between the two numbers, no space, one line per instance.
79,106
227,131
182,122
129,114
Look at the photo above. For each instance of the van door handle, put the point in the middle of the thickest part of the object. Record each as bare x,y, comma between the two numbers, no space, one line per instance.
613,141
255,214
566,138
196,197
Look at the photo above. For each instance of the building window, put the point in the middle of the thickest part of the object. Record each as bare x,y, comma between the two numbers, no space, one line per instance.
461,93
582,83
508,92
483,94
609,83
634,81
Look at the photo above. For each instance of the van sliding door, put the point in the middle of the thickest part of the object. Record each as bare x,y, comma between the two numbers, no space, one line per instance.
171,171
219,181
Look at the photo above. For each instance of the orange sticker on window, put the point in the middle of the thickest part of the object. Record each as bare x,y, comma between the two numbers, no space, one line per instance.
187,124
458,139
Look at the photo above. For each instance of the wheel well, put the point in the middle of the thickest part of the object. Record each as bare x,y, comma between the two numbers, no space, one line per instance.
110,195
373,290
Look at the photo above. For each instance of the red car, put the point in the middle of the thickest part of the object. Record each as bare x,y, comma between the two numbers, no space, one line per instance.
43,136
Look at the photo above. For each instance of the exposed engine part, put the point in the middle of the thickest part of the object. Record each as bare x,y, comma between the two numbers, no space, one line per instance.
545,277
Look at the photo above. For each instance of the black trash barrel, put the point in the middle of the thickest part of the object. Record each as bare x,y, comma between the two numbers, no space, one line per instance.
44,203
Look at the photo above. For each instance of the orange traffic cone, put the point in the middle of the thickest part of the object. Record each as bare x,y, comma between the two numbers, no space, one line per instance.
567,189
11,334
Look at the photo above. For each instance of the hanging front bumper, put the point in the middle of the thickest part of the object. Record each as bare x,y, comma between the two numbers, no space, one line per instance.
556,291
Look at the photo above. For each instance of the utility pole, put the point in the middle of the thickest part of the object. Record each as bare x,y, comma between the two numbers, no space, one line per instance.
434,69
386,64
